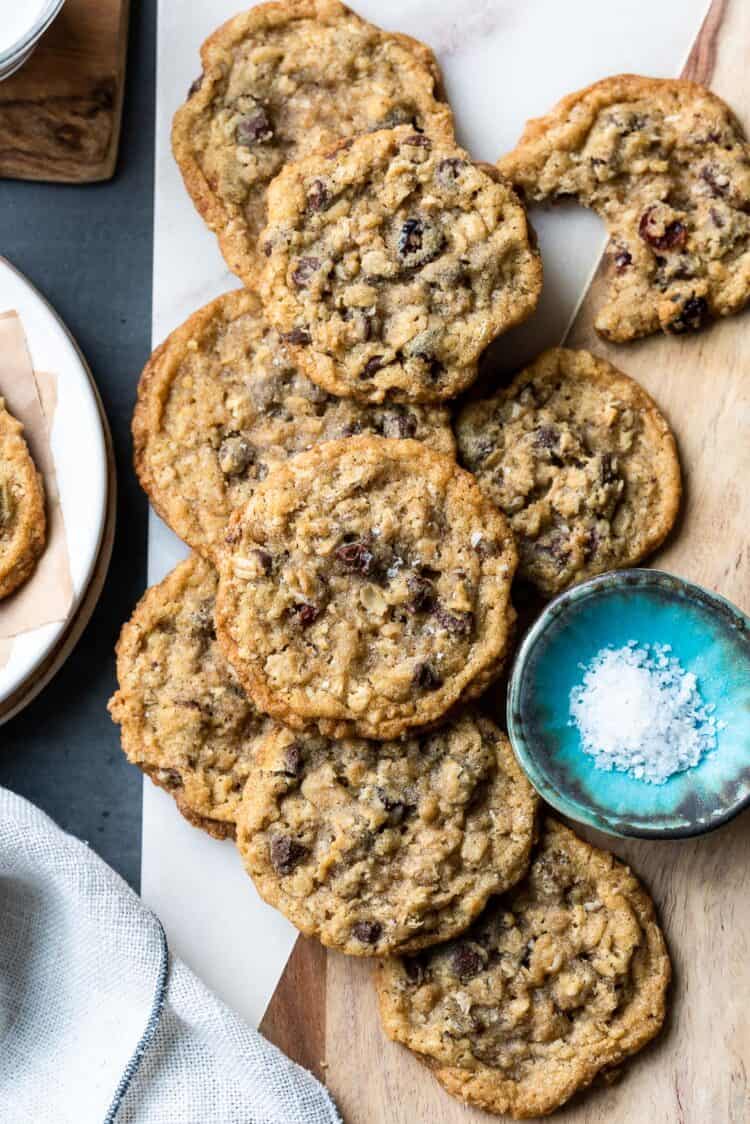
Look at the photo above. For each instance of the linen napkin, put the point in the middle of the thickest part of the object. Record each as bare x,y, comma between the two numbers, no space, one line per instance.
99,1024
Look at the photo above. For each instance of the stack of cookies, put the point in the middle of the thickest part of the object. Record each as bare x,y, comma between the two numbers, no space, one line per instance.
307,682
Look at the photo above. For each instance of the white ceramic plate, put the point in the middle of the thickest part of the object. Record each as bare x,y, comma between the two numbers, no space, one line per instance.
79,451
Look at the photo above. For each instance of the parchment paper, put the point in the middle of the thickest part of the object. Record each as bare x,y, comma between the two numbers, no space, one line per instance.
48,595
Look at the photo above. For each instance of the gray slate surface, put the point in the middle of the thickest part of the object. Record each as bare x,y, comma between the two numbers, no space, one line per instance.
89,250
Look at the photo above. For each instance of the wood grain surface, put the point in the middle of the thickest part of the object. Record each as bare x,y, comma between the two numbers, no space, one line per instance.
696,1072
60,113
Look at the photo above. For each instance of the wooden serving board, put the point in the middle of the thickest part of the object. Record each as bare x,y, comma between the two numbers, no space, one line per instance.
60,113
324,1012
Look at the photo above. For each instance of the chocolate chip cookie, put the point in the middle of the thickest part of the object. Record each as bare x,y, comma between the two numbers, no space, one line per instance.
23,524
220,403
560,979
384,847
393,261
282,80
365,588
665,163
582,463
184,718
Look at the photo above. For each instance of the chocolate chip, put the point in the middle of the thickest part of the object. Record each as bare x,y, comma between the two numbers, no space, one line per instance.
235,454
367,932
293,760
622,259
304,270
355,557
170,778
448,171
425,677
414,970
718,182
546,437
297,335
466,961
195,85
422,594
306,612
419,242
318,196
399,425
371,367
417,140
285,853
459,624
267,249
608,469
673,233
265,561
255,128
691,317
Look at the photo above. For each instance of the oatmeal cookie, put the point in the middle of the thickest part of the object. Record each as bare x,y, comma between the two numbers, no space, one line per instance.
220,403
665,163
282,80
23,523
582,463
384,847
365,588
184,718
560,979
393,261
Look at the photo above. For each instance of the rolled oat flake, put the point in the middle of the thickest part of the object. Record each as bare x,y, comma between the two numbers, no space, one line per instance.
639,712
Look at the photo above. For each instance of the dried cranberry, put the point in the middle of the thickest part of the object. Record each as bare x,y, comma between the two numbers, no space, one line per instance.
673,236
267,249
355,557
459,624
297,335
422,594
426,678
195,85
466,961
306,613
368,932
304,270
285,853
371,367
318,197
691,317
255,128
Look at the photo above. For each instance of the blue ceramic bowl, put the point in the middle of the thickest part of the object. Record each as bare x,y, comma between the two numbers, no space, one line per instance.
708,635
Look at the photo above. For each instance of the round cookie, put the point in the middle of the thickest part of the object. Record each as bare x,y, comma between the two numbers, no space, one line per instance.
582,463
665,163
560,979
184,719
23,523
384,847
220,403
282,80
365,589
393,261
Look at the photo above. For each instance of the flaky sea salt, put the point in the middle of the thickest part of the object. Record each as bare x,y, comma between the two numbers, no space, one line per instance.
638,711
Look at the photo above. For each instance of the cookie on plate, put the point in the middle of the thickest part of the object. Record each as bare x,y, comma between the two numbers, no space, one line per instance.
23,523
665,163
365,588
582,463
220,403
393,261
560,979
184,718
384,847
282,80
